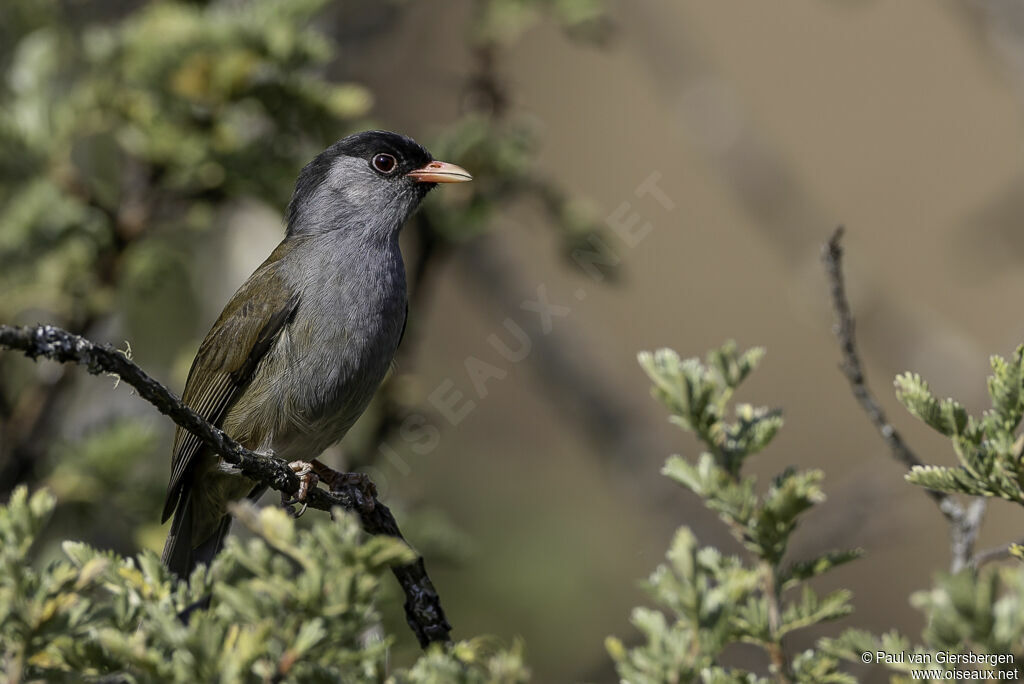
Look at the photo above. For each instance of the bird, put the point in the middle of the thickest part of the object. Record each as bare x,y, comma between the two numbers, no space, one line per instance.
300,349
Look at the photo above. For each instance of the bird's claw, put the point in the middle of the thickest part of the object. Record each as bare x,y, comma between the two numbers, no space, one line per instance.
307,480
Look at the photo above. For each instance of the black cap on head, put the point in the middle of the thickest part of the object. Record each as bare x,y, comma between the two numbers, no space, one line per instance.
409,154
374,177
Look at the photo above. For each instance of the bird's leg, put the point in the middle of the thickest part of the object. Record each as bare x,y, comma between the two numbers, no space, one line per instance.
307,480
356,485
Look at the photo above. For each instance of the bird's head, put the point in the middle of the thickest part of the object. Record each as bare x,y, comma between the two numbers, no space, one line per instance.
369,182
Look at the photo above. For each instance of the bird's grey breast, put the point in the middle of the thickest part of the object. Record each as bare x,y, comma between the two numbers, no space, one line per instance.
340,345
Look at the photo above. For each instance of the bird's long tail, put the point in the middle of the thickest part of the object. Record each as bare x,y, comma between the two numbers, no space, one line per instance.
181,553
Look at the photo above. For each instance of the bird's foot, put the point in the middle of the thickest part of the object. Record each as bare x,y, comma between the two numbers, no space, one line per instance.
307,480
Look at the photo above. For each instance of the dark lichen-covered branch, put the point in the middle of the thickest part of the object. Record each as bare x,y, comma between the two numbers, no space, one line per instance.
356,494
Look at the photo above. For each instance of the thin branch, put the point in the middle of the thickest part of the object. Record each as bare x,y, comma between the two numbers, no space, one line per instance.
964,523
996,553
422,607
964,534
851,366
776,651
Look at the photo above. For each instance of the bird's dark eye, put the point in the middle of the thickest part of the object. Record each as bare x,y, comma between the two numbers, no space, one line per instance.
384,163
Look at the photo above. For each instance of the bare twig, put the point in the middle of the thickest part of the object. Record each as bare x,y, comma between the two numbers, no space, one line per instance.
774,646
964,533
851,366
422,607
993,554
964,523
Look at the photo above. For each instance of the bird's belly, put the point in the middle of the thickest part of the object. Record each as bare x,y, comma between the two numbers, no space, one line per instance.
313,386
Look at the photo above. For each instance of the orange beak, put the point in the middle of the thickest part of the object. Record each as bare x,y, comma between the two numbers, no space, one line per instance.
440,172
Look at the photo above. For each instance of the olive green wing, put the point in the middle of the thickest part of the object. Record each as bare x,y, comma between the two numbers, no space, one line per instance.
227,358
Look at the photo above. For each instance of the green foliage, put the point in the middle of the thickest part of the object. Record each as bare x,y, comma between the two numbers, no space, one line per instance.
988,448
970,612
126,451
974,611
287,605
504,21
697,395
145,123
711,600
855,642
470,662
983,611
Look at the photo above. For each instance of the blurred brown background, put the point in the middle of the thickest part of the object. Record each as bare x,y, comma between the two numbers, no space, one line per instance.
769,124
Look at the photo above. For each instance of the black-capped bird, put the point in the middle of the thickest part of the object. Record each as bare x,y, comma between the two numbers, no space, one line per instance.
300,349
